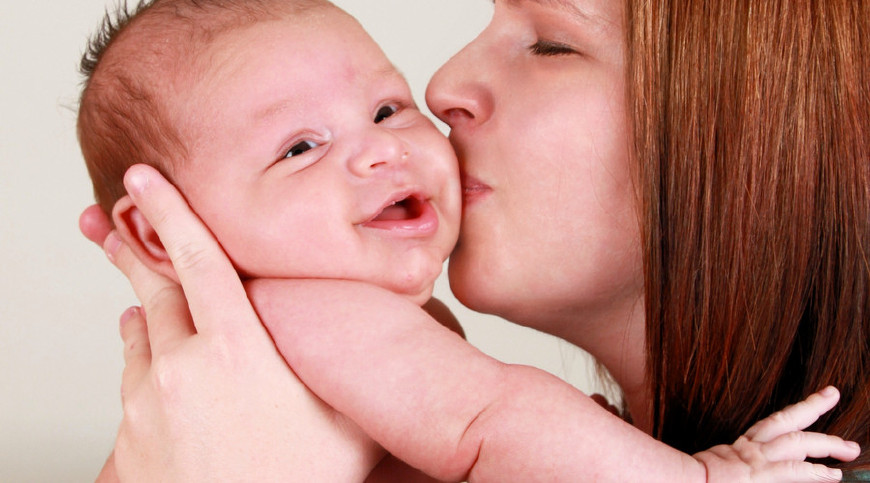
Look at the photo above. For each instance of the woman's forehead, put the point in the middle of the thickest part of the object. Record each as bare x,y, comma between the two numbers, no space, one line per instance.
596,13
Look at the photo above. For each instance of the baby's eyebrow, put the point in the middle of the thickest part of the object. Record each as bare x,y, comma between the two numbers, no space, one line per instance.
272,110
390,71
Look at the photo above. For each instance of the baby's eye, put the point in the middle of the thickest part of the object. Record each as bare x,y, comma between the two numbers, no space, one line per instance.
300,148
546,48
384,113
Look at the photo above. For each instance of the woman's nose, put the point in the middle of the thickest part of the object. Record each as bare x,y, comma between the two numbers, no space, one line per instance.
460,93
379,149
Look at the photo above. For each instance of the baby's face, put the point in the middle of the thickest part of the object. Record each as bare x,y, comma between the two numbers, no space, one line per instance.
310,159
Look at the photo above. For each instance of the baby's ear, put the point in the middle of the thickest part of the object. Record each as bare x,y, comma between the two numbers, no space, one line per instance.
135,230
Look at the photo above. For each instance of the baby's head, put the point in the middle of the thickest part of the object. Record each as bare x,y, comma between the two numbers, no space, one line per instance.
135,66
289,133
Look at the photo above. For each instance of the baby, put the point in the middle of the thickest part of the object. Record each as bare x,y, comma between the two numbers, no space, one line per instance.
299,145
289,133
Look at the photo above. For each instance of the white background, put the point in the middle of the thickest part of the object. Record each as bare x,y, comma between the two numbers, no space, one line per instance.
60,354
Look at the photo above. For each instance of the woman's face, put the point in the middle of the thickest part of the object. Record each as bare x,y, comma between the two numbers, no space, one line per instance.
537,109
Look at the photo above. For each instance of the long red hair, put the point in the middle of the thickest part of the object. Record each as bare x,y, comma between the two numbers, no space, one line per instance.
752,150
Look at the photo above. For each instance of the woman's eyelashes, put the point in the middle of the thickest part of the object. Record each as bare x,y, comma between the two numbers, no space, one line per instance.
548,48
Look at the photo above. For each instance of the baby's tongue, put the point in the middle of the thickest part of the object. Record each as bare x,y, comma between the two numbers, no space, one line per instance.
399,211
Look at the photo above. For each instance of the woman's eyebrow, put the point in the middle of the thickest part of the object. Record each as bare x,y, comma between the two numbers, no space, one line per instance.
567,6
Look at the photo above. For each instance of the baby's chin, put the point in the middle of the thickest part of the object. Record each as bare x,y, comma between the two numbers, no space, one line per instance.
417,286
416,283
420,297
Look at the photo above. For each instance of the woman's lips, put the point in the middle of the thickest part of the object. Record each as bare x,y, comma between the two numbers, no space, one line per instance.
473,189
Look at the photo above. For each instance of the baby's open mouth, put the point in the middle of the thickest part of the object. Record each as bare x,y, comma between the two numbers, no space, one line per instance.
406,209
410,216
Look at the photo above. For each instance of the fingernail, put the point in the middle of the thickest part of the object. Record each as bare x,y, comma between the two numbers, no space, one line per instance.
111,245
135,182
129,314
853,445
829,391
836,474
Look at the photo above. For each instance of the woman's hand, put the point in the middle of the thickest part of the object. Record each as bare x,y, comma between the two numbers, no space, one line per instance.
205,392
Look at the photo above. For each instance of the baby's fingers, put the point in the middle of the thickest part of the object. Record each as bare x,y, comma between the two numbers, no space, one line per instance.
799,471
800,445
795,417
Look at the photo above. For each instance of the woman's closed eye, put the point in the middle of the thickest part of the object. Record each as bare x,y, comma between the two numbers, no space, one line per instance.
548,48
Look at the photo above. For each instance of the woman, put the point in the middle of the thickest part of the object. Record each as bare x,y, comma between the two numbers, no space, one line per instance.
736,132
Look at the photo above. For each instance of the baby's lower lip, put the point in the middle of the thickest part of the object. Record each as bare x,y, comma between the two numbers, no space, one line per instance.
422,221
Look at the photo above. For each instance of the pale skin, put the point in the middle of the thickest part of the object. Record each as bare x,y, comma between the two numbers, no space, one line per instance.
547,437
156,352
326,151
291,147
536,107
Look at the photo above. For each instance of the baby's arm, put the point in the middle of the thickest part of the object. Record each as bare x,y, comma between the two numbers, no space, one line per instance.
437,403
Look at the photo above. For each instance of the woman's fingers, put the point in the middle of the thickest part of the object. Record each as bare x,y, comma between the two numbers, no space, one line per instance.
213,289
134,333
795,417
137,350
161,298
94,224
157,294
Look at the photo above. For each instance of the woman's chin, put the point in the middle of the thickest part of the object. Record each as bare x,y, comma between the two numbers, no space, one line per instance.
471,287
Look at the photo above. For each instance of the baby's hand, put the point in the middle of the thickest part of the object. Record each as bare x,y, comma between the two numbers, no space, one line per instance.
774,449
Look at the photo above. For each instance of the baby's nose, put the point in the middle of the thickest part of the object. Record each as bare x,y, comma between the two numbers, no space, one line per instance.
379,150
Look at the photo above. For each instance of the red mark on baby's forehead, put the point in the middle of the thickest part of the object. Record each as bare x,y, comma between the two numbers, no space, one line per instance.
349,73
